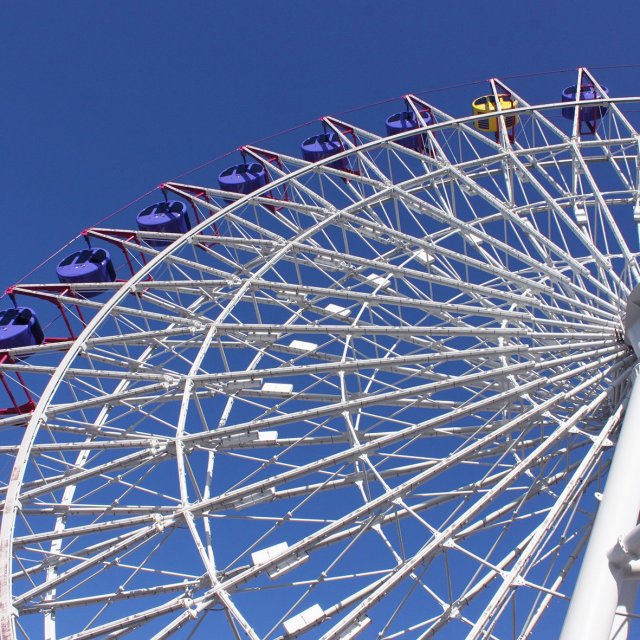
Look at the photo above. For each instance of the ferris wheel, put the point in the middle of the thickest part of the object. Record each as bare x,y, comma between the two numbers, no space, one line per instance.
375,389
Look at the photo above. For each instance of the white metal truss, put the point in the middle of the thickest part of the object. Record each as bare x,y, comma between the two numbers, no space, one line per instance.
378,396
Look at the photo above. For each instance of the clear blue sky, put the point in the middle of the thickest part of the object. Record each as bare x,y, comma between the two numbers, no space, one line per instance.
104,100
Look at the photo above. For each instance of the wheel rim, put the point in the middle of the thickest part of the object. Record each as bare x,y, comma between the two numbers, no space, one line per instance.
350,400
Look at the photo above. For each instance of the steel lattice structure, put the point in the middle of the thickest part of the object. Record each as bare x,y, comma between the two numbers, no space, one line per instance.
377,397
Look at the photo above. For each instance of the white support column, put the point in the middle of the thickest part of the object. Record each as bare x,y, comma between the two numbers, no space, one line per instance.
622,622
601,584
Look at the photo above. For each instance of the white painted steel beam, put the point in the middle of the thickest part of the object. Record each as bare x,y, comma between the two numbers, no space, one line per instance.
432,334
601,581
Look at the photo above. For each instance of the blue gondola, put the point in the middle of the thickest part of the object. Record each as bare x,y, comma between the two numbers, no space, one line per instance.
19,327
243,178
406,121
587,92
323,146
164,217
88,265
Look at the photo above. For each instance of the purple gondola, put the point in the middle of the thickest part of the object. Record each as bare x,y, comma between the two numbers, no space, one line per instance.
587,92
164,217
406,121
19,327
88,265
243,178
321,146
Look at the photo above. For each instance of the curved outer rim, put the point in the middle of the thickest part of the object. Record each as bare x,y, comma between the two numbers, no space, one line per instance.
38,417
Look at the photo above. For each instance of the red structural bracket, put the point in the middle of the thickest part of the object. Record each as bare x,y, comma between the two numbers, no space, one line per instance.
194,192
346,130
118,238
48,293
341,127
420,107
264,155
16,407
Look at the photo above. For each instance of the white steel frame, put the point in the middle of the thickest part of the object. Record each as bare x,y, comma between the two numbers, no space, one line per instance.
387,391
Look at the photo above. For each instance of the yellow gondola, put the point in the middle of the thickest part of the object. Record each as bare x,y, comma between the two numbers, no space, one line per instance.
487,104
